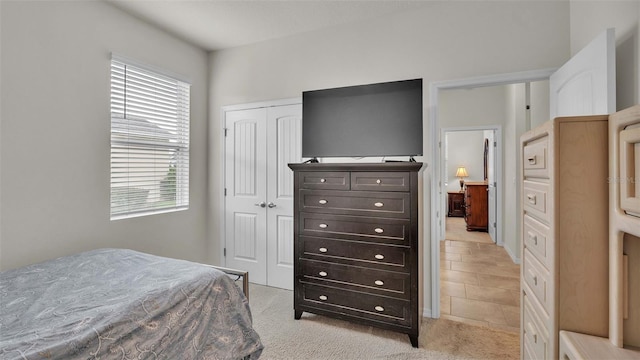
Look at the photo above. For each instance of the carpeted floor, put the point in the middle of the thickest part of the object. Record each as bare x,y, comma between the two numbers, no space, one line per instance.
319,337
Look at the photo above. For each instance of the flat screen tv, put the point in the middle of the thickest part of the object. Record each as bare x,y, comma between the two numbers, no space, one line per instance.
383,119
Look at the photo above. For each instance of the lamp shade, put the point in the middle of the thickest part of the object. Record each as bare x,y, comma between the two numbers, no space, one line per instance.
461,172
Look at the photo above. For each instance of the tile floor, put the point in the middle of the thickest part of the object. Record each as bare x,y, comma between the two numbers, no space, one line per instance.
479,283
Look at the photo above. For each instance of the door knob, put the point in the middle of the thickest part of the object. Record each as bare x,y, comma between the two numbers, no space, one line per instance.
271,205
261,204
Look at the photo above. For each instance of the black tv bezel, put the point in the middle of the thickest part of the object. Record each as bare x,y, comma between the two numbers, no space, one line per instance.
352,89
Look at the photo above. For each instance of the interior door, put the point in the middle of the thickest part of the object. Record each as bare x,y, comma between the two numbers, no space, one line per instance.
284,146
492,183
246,192
586,84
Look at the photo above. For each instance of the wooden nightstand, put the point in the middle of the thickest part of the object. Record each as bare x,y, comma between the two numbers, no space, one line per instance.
456,204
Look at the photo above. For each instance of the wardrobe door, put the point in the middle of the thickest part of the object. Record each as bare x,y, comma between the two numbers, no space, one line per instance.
246,192
284,146
259,144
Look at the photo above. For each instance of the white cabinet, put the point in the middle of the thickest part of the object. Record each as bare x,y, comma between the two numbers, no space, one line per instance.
564,272
258,205
624,260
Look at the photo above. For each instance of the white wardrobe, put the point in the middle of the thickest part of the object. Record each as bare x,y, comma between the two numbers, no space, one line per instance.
260,140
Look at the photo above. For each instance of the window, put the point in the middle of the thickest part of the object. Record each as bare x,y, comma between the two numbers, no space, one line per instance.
149,142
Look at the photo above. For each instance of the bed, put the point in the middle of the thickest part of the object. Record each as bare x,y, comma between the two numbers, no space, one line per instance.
123,304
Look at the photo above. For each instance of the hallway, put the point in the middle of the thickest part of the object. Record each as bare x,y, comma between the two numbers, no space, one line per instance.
479,283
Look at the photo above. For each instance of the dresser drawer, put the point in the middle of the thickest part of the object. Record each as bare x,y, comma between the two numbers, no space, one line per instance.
538,279
535,200
380,308
380,181
535,158
538,240
393,231
356,253
364,203
535,335
325,180
388,283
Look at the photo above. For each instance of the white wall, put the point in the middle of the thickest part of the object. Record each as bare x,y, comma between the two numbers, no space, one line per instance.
590,18
443,41
55,68
464,148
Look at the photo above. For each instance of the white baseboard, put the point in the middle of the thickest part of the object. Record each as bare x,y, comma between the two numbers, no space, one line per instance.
514,258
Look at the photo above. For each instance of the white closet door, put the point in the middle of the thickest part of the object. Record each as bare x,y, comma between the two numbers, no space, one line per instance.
246,187
284,146
586,84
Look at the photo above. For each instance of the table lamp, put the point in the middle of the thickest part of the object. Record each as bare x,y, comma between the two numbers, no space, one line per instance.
461,173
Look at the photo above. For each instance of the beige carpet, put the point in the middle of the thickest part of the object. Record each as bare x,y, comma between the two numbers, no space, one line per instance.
319,337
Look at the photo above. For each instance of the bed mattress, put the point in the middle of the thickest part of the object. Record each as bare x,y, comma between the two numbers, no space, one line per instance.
123,304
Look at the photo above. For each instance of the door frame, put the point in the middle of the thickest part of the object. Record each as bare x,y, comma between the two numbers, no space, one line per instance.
222,177
436,220
497,130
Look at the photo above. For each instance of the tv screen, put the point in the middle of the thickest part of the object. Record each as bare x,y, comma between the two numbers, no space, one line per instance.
383,119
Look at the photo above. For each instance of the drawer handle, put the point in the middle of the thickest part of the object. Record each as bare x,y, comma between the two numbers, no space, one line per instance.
378,230
532,160
531,198
323,250
322,202
533,277
379,256
532,332
533,237
378,204
322,273
378,181
379,282
323,180
379,308
322,297
323,226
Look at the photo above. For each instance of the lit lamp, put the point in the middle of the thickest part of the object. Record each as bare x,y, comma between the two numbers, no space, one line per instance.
461,173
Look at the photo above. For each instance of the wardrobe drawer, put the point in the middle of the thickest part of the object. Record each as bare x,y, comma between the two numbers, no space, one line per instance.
538,279
535,158
538,240
381,282
326,180
380,181
535,335
355,303
364,203
356,253
395,231
535,200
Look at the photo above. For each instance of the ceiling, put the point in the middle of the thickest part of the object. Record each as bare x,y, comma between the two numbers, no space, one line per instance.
220,24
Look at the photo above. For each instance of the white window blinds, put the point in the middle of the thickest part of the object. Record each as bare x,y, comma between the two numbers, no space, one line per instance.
149,142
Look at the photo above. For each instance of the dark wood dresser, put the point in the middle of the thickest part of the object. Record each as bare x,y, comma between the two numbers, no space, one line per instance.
476,206
455,204
358,254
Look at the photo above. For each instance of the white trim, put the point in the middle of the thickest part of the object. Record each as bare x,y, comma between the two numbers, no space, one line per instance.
434,89
255,105
498,169
262,104
514,258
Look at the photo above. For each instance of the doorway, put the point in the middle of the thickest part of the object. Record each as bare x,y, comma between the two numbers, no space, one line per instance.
477,152
438,204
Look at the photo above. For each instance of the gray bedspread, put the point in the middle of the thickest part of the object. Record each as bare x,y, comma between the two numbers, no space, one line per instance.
122,304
